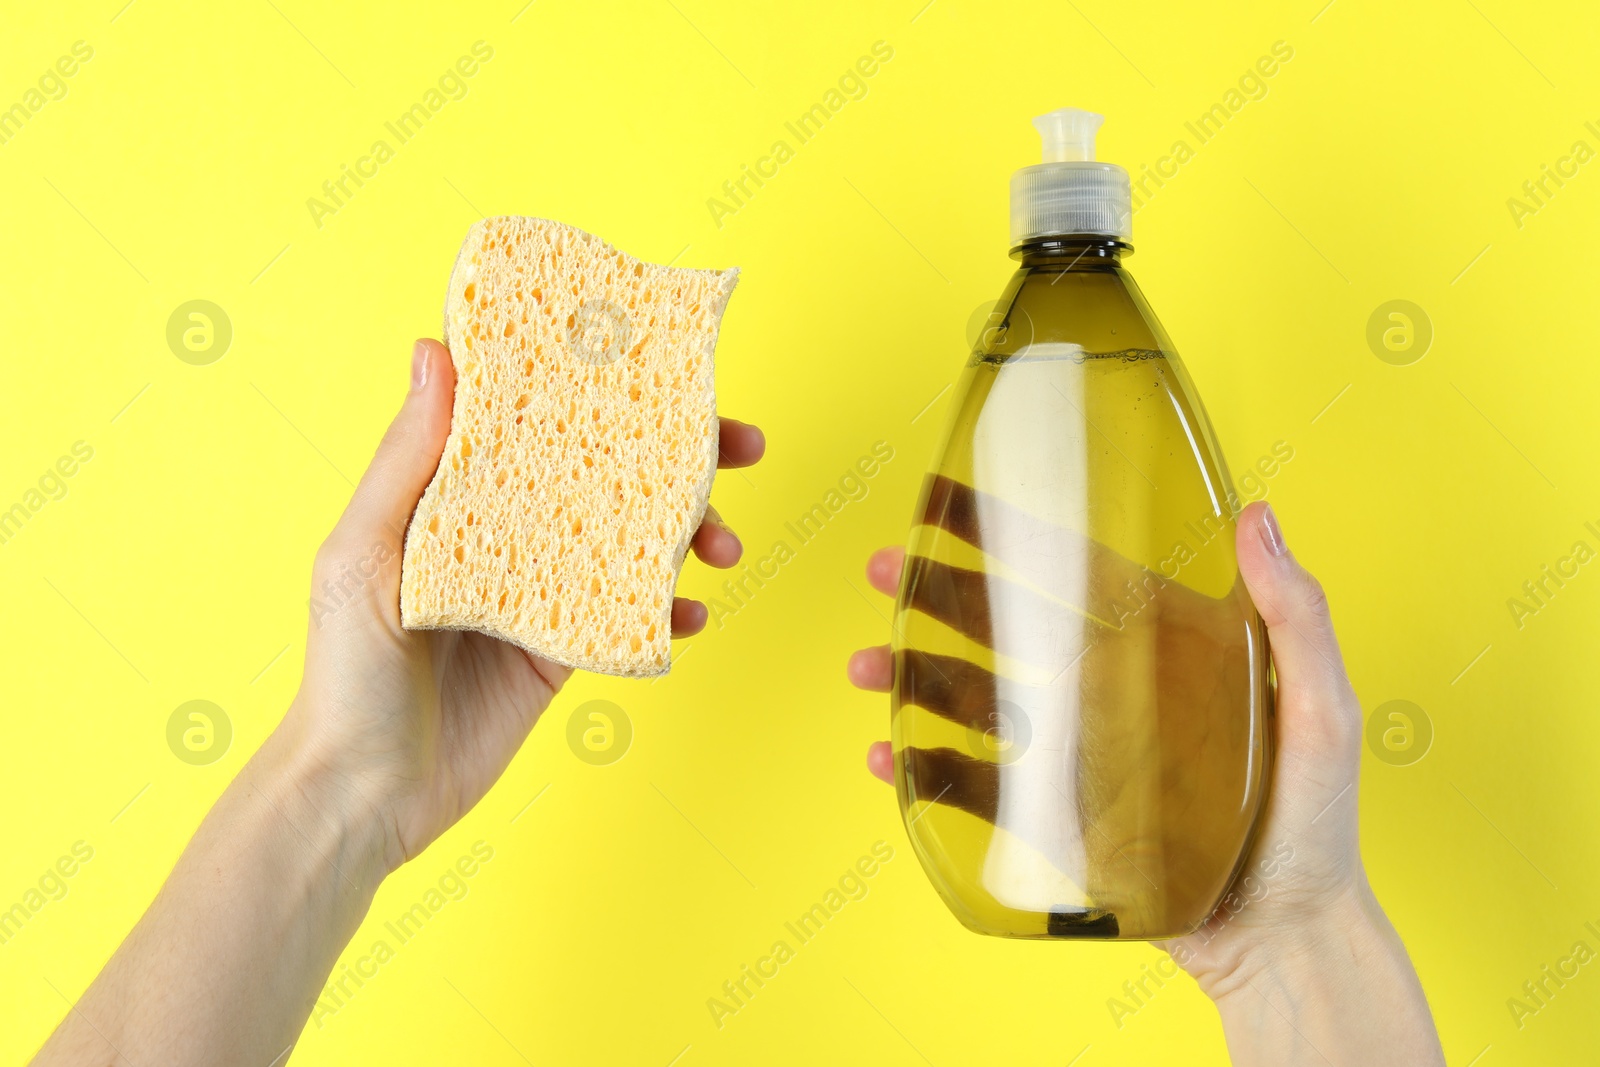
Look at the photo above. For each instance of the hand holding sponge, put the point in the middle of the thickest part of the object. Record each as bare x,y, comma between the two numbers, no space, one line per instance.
583,442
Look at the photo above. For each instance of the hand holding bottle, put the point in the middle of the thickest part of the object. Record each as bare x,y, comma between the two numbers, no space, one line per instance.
1301,937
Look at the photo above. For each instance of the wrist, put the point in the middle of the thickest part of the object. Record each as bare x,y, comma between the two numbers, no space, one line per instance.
336,821
1292,992
1323,946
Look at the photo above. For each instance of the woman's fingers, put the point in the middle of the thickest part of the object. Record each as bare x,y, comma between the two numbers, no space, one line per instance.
880,761
714,543
739,444
872,669
409,454
688,617
883,569
1318,714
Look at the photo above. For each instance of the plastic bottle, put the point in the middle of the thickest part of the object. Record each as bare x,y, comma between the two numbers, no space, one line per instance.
1081,708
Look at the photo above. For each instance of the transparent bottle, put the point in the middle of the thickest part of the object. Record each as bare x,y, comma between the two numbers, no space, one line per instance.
1081,707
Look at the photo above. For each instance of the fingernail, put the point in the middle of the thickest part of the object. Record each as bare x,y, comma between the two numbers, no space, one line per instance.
419,366
1272,533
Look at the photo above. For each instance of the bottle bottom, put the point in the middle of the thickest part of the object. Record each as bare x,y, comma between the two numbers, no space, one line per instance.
1088,923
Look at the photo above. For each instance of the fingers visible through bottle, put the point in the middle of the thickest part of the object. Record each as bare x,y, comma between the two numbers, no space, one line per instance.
1059,561
945,776
1066,594
963,600
950,687
1125,684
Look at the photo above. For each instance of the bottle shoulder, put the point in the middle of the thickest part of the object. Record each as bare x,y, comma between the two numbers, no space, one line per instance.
1047,310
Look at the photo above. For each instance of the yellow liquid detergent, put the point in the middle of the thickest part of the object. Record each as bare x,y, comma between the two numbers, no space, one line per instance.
1082,717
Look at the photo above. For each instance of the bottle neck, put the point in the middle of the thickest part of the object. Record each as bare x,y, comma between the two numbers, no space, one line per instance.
1088,252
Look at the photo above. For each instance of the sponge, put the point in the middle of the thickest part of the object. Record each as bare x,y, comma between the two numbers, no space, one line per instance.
582,446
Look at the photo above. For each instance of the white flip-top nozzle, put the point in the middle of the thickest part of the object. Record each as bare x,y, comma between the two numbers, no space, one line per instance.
1068,134
1070,192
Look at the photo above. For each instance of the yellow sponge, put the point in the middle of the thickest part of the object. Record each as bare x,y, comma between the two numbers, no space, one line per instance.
582,447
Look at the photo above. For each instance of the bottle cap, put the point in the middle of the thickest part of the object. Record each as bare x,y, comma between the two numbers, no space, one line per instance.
1070,193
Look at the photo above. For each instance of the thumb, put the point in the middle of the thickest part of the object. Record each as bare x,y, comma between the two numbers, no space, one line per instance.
408,455
1314,695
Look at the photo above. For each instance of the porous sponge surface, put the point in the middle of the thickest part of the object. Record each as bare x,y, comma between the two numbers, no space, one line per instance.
582,446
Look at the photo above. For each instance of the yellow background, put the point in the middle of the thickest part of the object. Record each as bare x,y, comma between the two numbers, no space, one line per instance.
1377,167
